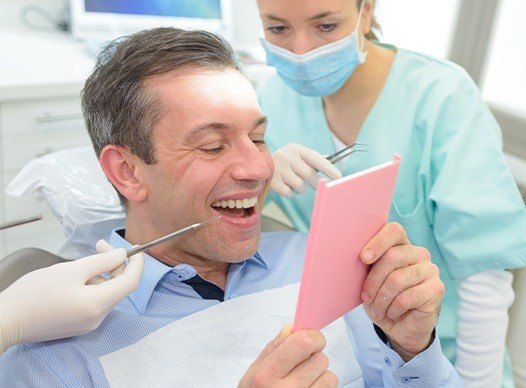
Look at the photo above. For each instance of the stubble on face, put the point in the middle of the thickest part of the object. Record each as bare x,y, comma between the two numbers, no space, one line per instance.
188,178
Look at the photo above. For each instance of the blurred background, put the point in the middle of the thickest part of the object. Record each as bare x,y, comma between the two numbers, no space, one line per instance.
48,47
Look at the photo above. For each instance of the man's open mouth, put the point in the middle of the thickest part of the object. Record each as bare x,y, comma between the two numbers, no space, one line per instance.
236,208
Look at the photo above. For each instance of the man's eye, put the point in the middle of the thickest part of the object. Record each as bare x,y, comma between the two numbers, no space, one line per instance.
259,142
213,151
277,29
328,27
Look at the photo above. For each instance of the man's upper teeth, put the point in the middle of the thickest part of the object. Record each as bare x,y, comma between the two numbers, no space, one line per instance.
237,203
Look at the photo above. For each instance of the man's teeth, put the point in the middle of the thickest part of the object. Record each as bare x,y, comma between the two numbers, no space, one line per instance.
238,203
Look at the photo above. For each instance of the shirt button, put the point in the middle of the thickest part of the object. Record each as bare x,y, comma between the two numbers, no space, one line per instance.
387,361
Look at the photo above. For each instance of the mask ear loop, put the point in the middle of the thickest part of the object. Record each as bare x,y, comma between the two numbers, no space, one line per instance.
361,37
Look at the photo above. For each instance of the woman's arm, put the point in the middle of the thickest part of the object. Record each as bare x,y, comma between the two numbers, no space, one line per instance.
484,299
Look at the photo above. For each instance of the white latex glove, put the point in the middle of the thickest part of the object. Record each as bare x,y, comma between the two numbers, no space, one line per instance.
296,164
60,301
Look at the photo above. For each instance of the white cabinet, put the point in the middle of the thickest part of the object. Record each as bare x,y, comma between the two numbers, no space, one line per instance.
29,129
40,84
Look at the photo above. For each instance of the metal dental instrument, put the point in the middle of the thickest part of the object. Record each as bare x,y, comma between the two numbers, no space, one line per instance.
343,153
160,240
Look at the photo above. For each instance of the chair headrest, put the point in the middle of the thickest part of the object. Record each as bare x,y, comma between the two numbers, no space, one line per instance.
79,195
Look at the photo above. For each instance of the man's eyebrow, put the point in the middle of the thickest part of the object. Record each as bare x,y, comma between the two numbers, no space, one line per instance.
219,127
214,126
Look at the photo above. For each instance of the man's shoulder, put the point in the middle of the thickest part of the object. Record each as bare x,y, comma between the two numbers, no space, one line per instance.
74,361
35,364
283,248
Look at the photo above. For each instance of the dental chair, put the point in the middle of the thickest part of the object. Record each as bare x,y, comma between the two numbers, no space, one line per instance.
18,263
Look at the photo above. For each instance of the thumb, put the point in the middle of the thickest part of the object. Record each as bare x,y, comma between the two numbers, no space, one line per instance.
103,246
113,290
100,263
274,344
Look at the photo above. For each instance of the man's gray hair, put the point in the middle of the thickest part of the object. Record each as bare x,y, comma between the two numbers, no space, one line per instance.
118,109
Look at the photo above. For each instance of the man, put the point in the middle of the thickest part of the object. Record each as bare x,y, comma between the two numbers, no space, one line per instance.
180,135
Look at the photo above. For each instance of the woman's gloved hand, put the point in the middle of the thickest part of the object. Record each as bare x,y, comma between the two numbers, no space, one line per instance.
296,164
62,300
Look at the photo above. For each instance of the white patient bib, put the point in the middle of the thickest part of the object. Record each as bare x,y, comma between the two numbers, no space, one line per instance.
215,347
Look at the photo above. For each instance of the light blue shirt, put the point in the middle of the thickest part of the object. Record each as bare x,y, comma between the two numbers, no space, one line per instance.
162,298
454,193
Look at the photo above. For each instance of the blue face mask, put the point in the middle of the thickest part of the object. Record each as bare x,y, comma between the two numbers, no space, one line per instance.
319,72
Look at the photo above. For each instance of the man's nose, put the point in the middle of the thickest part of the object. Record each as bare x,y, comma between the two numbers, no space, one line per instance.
252,163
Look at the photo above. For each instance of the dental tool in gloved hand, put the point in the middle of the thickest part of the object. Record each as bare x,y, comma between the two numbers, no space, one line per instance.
347,151
296,166
163,239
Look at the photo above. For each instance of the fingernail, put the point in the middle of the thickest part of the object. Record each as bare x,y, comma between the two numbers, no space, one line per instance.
365,297
368,255
283,333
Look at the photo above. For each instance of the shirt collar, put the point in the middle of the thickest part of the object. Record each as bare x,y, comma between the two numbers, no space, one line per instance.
152,274
259,260
154,271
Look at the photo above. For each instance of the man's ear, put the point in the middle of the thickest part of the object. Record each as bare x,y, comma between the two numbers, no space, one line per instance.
122,169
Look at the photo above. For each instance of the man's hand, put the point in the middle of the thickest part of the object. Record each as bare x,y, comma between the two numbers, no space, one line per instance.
291,360
403,292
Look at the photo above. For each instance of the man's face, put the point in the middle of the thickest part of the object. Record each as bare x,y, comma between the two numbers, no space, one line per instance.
211,160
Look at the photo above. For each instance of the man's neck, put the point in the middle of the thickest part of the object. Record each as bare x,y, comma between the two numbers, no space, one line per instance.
137,233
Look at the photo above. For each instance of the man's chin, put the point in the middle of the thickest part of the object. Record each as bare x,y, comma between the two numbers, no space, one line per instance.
239,252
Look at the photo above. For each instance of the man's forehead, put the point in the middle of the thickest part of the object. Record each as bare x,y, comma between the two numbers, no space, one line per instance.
202,100
192,74
190,87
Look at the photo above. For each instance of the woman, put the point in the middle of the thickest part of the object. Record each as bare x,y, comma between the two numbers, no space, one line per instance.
66,299
337,85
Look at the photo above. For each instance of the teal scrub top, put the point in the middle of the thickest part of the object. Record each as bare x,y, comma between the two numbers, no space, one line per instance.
454,194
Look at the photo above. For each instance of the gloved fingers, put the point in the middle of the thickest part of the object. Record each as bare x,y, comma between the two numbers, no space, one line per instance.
104,246
113,290
307,173
92,266
302,168
291,178
277,185
313,180
320,163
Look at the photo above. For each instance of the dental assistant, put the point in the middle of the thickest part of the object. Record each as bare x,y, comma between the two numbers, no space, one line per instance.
66,299
337,85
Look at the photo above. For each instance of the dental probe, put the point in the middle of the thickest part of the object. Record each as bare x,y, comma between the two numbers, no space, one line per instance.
160,240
